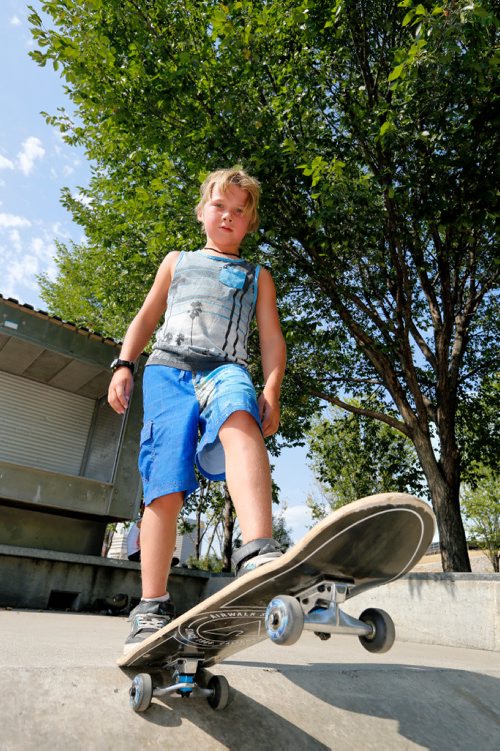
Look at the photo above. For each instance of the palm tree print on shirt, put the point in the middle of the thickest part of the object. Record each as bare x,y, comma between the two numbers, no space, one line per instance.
196,309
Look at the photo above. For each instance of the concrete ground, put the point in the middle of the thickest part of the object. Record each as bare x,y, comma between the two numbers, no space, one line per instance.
60,689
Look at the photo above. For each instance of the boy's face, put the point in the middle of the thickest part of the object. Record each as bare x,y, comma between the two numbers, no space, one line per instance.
225,219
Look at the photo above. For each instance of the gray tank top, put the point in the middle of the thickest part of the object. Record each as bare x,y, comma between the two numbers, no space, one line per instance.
210,305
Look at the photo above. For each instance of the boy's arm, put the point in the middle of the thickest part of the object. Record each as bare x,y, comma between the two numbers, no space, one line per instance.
273,353
140,332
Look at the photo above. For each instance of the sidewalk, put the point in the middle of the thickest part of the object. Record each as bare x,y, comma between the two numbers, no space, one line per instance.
60,689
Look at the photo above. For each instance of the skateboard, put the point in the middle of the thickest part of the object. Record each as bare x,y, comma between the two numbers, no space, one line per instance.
364,544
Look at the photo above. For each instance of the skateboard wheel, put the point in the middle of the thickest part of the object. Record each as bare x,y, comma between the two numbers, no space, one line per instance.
141,692
284,620
219,699
383,635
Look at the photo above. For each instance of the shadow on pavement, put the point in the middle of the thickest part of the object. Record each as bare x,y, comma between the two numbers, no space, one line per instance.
244,724
435,708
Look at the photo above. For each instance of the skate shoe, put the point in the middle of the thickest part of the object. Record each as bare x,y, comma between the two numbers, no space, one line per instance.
148,618
254,554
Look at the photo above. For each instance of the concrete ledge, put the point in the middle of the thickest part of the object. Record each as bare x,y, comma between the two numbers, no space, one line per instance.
47,579
454,610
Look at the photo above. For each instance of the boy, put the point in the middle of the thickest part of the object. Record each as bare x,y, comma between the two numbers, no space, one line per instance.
196,381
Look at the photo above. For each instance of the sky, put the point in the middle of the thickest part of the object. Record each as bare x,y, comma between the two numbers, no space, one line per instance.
35,164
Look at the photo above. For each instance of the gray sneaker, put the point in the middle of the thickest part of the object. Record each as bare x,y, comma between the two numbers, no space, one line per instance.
148,618
254,554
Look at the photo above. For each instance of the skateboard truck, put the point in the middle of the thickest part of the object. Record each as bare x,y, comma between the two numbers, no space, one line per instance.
317,609
189,680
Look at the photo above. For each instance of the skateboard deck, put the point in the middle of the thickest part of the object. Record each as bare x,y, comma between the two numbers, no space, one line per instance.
364,544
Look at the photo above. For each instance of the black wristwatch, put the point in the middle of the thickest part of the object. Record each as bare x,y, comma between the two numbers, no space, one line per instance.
122,364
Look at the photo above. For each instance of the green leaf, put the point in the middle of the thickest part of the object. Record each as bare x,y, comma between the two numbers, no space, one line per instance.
409,17
387,127
396,73
34,19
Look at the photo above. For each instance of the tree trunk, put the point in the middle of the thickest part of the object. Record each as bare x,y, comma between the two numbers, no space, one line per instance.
446,505
227,550
198,534
454,554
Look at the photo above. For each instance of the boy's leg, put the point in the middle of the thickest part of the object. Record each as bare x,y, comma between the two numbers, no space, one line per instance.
248,475
158,534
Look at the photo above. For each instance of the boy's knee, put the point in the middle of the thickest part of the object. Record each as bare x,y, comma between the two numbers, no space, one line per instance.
170,503
239,420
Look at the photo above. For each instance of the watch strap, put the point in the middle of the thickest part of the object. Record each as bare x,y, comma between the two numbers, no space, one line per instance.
118,363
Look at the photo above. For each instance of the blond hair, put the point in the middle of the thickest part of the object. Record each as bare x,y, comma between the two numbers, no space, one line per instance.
224,179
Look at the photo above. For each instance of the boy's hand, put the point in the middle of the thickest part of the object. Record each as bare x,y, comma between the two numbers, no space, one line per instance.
269,412
120,390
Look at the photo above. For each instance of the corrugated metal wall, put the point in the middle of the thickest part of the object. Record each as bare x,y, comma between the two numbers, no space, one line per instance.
41,426
103,447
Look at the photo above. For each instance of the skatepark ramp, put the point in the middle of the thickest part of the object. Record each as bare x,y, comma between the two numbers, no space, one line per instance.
61,689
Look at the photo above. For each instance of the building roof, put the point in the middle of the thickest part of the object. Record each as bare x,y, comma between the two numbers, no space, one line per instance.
58,321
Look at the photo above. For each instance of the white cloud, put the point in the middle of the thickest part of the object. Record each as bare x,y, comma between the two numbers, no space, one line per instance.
22,257
21,270
58,230
15,21
32,150
15,240
7,221
298,520
37,245
6,163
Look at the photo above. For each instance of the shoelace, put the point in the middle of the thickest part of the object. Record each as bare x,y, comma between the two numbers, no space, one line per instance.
149,620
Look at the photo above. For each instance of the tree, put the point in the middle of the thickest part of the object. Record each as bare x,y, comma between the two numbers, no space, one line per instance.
371,126
281,532
209,504
216,524
353,457
481,506
478,425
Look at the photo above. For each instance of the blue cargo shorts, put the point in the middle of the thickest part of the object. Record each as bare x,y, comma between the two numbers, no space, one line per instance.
183,413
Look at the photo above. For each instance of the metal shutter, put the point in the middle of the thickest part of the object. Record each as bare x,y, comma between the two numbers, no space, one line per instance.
41,426
103,447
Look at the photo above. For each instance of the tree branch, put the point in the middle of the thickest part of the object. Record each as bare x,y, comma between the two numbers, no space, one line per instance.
373,414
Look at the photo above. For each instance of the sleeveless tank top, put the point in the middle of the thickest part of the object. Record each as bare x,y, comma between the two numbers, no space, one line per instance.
210,305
